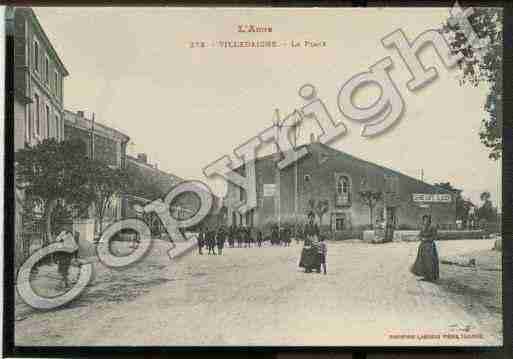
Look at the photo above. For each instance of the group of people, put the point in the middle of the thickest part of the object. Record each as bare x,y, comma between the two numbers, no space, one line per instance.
314,252
214,238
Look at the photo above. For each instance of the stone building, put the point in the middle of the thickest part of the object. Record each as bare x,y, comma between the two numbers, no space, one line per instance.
328,174
108,144
103,143
38,81
149,183
38,100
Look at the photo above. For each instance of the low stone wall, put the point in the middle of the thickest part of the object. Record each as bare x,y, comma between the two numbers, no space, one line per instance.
412,236
442,235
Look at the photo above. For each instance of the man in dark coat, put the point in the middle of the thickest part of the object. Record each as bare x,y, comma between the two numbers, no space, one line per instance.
240,236
259,237
231,235
275,235
249,238
201,241
63,259
221,235
211,241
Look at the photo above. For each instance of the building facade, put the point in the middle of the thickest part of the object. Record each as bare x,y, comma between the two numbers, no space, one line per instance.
337,177
38,79
103,143
149,183
38,100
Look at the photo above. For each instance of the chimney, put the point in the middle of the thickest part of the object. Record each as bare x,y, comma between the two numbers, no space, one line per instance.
142,157
80,113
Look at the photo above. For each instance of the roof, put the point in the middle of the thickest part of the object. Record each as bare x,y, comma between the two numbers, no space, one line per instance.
317,146
31,14
384,169
85,124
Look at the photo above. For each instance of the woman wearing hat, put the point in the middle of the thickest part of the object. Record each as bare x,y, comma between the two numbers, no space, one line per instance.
426,265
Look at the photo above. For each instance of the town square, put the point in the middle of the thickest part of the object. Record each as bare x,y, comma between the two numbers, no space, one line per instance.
172,190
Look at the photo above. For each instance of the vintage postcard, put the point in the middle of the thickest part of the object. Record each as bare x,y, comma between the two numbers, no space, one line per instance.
257,176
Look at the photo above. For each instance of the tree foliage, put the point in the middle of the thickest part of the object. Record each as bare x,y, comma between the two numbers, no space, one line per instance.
50,171
104,182
483,66
463,206
59,174
319,207
486,212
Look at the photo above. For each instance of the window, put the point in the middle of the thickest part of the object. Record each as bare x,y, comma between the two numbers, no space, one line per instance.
37,122
28,128
47,70
307,178
343,185
343,189
339,224
36,56
391,184
48,120
57,127
56,83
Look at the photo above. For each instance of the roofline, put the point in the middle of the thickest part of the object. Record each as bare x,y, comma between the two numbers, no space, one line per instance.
117,132
35,20
268,157
385,168
136,160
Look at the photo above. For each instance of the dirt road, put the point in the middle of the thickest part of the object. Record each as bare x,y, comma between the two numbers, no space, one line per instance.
259,296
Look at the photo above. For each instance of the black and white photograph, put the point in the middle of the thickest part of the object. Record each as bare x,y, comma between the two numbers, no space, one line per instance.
257,177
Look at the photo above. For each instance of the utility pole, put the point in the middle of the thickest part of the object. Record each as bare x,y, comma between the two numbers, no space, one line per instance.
92,138
296,175
422,174
277,194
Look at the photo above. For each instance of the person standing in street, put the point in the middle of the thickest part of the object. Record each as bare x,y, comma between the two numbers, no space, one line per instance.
201,241
211,241
427,263
259,237
323,251
221,235
240,236
63,259
231,235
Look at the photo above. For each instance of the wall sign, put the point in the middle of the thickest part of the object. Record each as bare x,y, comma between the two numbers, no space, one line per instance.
427,197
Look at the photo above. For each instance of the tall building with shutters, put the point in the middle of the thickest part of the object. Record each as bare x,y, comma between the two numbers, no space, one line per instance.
337,177
38,80
38,102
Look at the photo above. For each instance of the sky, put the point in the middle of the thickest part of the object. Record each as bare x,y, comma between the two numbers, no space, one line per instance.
186,107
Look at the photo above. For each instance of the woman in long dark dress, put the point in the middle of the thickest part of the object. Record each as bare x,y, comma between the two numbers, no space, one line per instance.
426,265
310,258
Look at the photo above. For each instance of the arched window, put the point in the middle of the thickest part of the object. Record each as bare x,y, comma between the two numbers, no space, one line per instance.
343,185
343,190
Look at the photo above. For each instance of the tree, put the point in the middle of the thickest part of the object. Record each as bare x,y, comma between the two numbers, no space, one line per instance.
370,198
50,171
483,66
318,207
486,212
104,183
463,206
321,208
